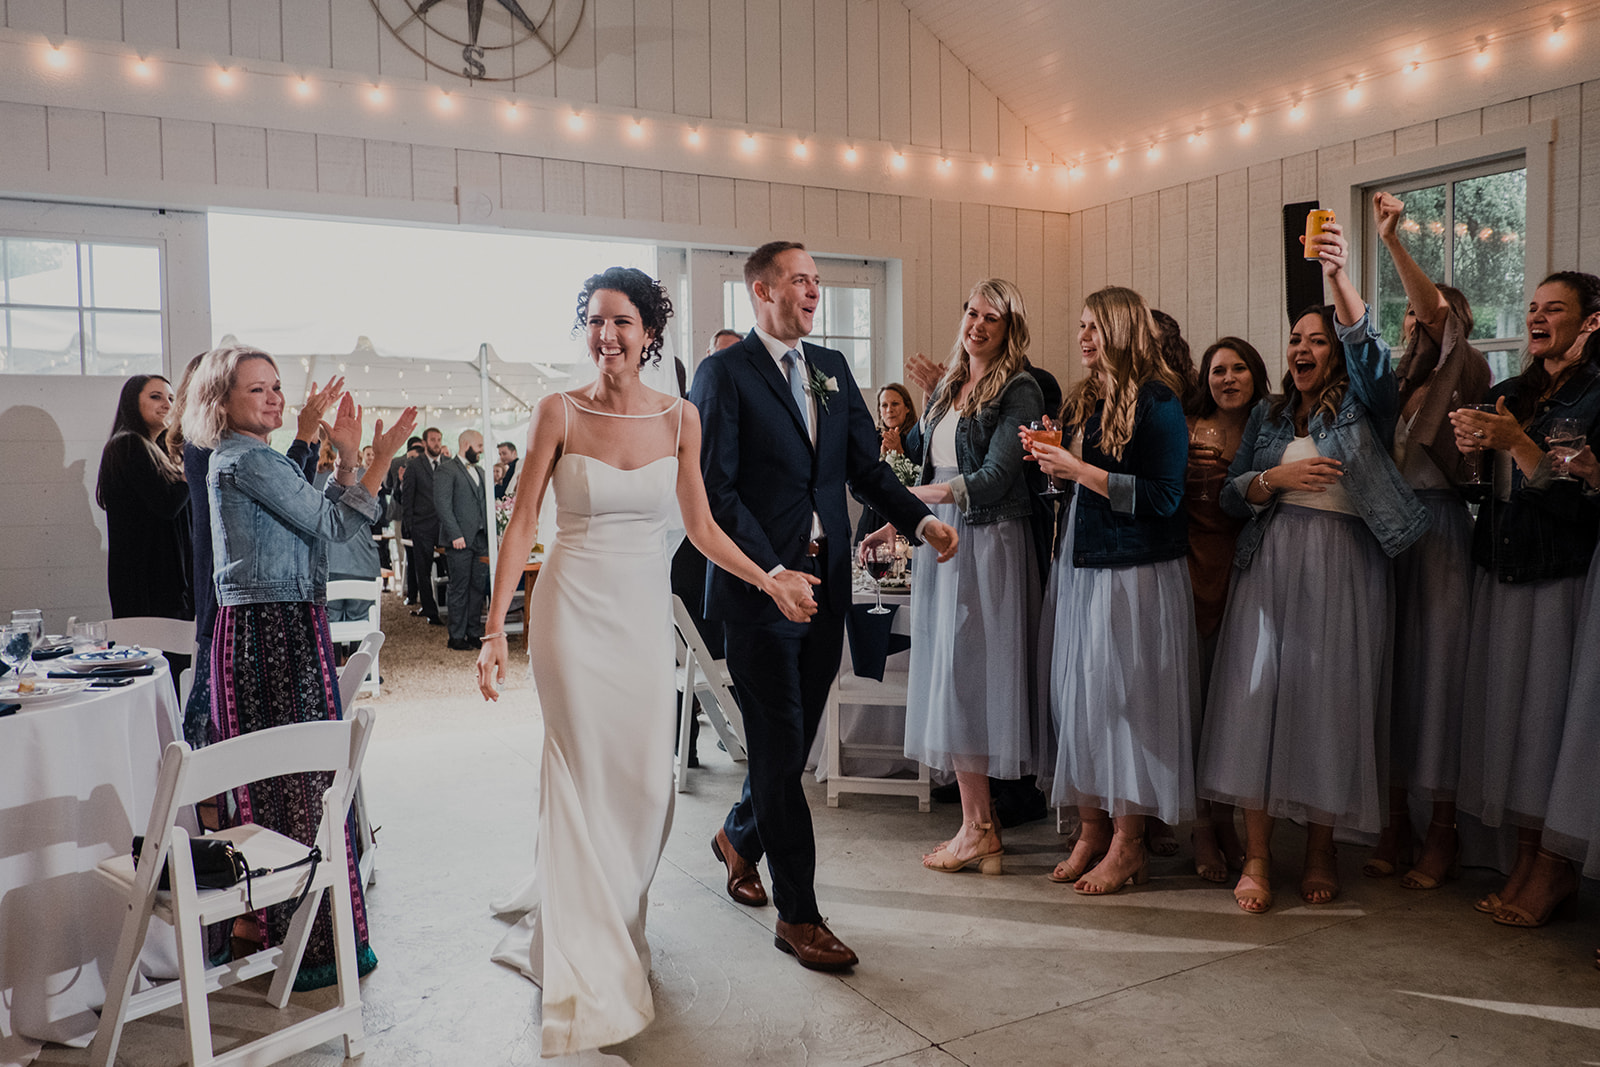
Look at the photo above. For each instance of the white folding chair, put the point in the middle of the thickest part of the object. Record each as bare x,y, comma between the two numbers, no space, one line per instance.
188,777
700,674
849,688
185,687
150,631
358,630
350,679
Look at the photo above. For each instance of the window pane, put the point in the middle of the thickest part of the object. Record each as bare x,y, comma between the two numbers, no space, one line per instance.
123,342
41,272
1491,215
40,342
849,311
1422,233
859,353
737,314
122,276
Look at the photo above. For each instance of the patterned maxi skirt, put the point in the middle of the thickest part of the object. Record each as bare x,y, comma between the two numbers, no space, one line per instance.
273,665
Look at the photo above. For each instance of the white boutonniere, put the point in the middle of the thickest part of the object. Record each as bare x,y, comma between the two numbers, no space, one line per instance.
820,386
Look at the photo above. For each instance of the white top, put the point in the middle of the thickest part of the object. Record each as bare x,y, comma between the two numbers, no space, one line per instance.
942,445
1334,499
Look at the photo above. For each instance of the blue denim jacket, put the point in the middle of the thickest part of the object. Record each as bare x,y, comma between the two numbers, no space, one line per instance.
1549,527
1358,437
269,528
990,487
1143,520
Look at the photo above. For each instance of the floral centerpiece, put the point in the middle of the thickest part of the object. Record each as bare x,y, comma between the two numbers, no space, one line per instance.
502,513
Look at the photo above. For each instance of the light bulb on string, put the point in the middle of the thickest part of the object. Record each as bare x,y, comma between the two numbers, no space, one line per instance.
141,69
636,129
575,122
800,150
694,136
898,161
1557,24
1482,59
850,155
988,170
56,56
302,86
225,78
1297,111
749,142
375,95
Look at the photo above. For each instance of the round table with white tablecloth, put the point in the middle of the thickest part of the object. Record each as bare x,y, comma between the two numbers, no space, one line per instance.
77,781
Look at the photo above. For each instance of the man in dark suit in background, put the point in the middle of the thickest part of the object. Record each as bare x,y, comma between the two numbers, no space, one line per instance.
464,532
784,428
419,520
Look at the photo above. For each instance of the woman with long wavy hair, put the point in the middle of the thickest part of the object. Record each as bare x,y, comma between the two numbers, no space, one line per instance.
969,707
1299,702
146,503
1118,626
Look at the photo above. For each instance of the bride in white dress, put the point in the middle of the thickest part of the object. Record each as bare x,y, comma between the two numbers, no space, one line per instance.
599,623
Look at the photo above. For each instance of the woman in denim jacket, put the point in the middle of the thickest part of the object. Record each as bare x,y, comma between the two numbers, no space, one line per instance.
272,658
969,706
1118,626
1533,543
1297,717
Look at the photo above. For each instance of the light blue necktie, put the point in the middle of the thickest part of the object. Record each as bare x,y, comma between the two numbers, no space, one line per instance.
797,386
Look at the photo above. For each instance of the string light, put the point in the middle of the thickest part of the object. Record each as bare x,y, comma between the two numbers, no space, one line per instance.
944,163
303,87
694,136
1297,110
1482,59
988,170
800,150
56,56
636,130
1352,95
512,112
1033,167
141,69
444,101
1557,24
898,161
375,95
225,78
1112,163
1152,153
1244,126
749,142
575,122
850,155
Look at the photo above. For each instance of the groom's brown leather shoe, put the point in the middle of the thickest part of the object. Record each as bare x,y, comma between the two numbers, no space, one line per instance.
814,945
744,880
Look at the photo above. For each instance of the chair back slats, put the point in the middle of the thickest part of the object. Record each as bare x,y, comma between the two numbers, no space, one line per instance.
149,631
294,749
357,667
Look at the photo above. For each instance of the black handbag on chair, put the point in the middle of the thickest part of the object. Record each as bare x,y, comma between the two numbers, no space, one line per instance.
219,865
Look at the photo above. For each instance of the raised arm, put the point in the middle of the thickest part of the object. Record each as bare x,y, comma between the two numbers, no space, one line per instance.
539,462
1427,301
1333,251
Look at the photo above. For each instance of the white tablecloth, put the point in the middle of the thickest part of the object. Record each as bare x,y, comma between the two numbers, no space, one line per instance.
859,725
77,781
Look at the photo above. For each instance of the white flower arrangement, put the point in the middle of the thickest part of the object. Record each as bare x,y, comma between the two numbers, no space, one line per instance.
908,472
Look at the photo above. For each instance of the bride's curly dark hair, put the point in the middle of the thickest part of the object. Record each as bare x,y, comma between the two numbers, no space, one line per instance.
647,294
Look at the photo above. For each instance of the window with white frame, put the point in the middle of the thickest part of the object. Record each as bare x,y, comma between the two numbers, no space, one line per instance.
1465,227
80,307
848,316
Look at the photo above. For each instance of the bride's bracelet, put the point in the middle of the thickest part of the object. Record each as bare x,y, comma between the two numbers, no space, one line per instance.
486,638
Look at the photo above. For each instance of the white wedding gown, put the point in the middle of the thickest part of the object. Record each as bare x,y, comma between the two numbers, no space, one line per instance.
600,631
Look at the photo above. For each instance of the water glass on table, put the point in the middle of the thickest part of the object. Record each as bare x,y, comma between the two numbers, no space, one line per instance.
88,636
1566,439
16,647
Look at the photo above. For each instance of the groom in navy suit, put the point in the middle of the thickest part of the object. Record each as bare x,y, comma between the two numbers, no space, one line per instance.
783,429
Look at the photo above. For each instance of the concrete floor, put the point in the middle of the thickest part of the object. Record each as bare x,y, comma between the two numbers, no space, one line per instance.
956,969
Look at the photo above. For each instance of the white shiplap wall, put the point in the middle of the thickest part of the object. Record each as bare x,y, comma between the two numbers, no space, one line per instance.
1209,251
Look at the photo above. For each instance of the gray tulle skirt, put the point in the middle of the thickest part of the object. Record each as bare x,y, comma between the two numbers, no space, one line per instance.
974,620
1518,672
1433,616
1572,818
1297,720
1123,678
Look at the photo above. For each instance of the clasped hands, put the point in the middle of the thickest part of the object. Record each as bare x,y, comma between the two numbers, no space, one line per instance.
1476,430
791,591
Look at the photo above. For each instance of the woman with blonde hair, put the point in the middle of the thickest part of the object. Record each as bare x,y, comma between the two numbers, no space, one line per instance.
272,660
968,704
1119,621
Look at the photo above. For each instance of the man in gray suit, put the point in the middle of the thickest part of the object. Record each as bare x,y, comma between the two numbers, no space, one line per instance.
464,531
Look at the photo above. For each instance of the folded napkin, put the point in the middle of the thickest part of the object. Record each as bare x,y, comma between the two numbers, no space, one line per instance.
9,709
109,670
871,643
52,651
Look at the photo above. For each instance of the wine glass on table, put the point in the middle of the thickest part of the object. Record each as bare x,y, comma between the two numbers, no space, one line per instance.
1207,440
1566,439
16,647
1045,431
880,561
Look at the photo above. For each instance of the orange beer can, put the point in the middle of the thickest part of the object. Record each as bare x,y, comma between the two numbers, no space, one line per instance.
1315,220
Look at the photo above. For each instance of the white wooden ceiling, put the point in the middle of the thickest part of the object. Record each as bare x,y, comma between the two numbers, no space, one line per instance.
1090,77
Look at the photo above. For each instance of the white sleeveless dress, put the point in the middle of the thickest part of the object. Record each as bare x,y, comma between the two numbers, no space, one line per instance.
600,630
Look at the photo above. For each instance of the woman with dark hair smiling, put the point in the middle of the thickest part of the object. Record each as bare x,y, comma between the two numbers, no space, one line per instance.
1533,544
618,454
1233,379
146,503
1300,692
900,432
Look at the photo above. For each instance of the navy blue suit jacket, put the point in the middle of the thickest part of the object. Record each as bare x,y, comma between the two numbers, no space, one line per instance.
764,479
